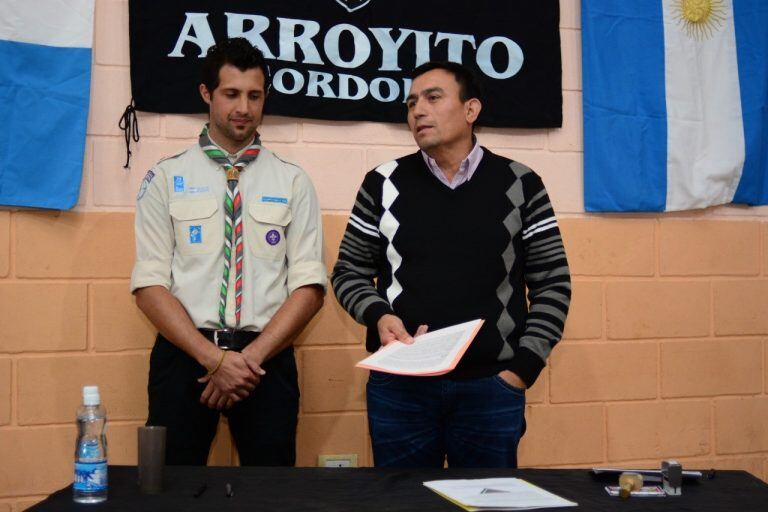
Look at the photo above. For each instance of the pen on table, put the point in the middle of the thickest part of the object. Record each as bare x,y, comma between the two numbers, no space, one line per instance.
200,490
230,492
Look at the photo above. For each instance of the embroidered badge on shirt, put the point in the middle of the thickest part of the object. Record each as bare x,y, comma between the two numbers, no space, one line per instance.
273,237
145,184
273,199
196,234
178,183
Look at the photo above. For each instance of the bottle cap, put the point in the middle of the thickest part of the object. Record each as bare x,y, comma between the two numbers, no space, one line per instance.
91,395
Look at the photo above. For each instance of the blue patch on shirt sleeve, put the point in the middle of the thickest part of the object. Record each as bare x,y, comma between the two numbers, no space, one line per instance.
145,184
273,199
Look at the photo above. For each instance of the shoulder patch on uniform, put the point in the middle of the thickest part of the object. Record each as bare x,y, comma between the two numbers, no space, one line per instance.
145,183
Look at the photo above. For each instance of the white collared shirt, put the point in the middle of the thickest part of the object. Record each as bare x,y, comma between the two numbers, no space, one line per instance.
467,167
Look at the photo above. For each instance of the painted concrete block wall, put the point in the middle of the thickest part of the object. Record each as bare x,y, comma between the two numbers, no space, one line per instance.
665,352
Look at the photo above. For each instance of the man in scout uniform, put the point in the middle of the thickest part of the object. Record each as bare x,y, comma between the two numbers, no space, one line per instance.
229,268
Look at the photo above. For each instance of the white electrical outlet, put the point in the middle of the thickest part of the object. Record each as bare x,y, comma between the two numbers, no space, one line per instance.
347,460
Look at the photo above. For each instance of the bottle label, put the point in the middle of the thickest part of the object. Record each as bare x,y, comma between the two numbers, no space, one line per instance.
91,476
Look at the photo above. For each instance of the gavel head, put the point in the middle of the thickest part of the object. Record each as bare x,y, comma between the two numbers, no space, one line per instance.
629,482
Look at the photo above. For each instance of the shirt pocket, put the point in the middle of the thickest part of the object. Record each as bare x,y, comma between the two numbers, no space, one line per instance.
265,229
196,226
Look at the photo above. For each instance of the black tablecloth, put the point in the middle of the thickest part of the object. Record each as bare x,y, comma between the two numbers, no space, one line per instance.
391,490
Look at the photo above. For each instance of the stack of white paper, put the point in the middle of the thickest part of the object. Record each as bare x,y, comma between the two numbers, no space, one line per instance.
496,494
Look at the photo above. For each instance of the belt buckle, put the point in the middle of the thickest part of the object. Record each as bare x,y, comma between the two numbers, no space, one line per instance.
224,338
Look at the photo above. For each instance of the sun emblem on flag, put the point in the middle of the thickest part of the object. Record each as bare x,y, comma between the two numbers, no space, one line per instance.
700,18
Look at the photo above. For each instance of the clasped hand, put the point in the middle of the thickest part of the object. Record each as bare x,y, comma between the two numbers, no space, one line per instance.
234,380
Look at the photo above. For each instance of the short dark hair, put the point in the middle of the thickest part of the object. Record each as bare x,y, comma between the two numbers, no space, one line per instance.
469,85
239,53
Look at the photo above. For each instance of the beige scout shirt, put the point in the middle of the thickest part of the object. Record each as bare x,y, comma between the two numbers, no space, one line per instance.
180,236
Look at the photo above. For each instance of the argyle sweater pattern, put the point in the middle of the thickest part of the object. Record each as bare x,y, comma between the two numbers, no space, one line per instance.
431,255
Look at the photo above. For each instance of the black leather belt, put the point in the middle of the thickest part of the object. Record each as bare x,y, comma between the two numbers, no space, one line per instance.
229,339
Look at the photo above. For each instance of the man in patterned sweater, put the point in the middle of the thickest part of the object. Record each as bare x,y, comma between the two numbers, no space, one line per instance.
450,234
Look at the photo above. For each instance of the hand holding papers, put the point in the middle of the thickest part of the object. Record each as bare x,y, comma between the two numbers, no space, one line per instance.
433,353
496,494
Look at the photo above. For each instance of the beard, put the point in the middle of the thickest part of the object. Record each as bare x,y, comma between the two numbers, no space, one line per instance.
234,134
237,136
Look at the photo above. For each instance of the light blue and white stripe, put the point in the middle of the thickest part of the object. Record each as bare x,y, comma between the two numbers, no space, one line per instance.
674,120
45,74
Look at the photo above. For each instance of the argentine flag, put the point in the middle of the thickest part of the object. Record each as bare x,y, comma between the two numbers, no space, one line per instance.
675,103
45,76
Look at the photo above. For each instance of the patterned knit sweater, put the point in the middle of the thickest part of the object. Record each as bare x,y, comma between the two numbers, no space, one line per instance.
431,255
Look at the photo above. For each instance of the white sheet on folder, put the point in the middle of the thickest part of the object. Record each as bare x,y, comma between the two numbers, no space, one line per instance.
497,494
433,353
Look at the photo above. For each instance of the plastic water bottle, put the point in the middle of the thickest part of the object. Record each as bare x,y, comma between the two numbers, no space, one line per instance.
91,449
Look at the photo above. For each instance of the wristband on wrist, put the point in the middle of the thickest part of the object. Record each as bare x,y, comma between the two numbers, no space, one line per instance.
218,365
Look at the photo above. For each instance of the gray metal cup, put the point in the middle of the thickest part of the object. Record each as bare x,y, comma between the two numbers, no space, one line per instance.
151,459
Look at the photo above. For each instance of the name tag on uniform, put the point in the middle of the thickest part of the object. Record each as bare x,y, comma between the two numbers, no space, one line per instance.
195,234
274,199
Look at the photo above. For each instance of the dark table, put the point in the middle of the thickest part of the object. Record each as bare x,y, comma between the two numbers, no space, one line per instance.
390,490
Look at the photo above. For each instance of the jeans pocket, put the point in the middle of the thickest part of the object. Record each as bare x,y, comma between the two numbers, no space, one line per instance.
380,378
507,386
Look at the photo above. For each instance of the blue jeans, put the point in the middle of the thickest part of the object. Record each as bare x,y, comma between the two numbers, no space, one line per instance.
418,421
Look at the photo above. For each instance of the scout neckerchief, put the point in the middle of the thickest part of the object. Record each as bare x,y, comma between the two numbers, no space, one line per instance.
233,220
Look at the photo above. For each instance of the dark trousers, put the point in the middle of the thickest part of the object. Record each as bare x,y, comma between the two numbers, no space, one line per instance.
420,421
263,425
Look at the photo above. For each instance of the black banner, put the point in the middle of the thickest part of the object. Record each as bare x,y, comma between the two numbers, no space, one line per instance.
350,59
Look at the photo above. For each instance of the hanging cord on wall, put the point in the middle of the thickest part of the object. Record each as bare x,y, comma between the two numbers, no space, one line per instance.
129,123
